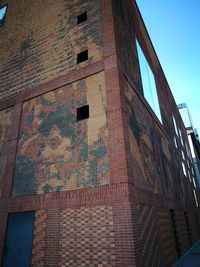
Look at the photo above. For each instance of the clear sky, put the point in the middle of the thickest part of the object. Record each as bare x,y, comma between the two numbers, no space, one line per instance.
174,28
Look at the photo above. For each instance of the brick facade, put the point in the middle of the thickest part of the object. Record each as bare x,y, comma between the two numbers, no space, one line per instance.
57,153
104,189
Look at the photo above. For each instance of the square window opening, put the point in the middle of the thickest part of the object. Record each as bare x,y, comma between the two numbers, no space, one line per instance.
82,56
83,113
81,18
3,11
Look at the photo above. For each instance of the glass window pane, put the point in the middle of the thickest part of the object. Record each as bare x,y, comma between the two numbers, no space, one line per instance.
148,83
2,14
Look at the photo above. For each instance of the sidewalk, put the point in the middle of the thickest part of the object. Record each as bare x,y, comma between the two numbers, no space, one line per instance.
191,258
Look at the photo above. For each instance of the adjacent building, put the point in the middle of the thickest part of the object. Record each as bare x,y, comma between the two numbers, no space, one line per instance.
94,157
193,139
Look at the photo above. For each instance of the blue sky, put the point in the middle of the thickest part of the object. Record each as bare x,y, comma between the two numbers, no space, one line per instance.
174,28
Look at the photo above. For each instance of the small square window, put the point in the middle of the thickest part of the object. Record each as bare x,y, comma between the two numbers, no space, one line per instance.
81,18
83,56
2,15
83,113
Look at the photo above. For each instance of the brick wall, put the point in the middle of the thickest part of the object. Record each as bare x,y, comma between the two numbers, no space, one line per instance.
38,248
5,129
142,143
55,151
101,188
128,28
182,232
40,41
147,239
167,244
126,43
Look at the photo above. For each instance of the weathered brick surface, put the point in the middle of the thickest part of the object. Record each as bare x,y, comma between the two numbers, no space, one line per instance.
142,143
3,225
126,43
167,245
182,232
87,237
147,238
5,123
55,151
5,131
101,188
74,237
169,184
40,41
38,248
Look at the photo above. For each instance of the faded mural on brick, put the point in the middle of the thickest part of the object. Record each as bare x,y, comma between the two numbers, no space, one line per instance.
168,181
55,151
142,142
5,124
5,127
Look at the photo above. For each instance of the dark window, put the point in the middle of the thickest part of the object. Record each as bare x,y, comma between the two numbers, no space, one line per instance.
83,113
83,56
81,18
2,15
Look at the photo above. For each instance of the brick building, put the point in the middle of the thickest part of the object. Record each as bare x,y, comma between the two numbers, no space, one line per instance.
193,138
94,157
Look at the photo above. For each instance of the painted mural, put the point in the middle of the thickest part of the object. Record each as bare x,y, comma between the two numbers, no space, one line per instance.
142,143
55,151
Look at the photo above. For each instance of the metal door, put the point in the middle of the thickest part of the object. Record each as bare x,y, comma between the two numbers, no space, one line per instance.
18,243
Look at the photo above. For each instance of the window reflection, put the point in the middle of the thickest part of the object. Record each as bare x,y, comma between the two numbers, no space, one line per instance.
148,83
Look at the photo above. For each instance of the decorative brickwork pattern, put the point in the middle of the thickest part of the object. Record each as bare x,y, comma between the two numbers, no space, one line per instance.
142,142
182,232
194,226
148,237
103,188
52,237
126,42
39,239
178,178
166,238
5,127
87,237
56,152
166,164
48,45
74,237
3,225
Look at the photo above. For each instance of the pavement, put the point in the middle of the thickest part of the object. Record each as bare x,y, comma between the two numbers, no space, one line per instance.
191,258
